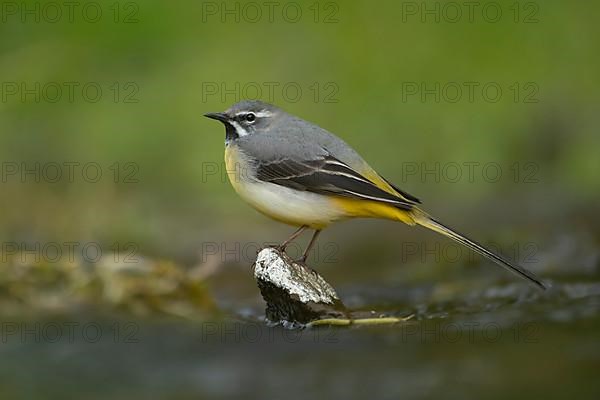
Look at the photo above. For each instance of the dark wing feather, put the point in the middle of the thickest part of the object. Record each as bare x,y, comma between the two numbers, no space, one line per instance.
407,196
326,175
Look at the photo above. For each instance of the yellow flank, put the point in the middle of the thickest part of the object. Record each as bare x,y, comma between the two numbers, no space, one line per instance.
372,209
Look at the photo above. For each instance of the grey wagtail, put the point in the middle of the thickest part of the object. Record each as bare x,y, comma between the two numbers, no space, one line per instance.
302,175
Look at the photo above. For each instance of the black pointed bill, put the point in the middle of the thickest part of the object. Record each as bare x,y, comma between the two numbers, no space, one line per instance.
219,116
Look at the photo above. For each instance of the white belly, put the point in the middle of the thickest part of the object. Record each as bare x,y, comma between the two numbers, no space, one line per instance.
288,205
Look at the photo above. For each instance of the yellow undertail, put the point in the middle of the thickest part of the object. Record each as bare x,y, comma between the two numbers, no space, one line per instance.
372,209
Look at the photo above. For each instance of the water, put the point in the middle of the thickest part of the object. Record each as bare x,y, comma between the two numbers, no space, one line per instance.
504,341
159,331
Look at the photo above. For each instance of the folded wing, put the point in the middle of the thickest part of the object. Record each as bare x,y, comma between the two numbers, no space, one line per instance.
328,175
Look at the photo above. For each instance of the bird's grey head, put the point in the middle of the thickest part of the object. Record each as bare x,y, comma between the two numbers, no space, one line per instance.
246,118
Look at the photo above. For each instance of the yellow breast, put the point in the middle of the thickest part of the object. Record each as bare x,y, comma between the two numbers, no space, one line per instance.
236,165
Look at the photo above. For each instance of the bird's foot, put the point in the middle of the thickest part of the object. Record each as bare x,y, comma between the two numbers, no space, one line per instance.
282,247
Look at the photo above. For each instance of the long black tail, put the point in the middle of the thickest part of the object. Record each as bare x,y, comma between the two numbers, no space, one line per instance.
424,220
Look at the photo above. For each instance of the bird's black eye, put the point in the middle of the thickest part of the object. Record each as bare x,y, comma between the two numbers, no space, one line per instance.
250,117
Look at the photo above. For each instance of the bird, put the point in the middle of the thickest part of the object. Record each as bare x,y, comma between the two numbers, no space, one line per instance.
300,174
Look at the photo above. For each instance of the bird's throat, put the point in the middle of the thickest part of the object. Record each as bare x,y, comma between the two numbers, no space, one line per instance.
230,133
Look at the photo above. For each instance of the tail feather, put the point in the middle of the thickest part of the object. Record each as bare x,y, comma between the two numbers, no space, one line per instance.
430,223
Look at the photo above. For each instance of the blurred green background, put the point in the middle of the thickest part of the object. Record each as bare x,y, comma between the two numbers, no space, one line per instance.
363,70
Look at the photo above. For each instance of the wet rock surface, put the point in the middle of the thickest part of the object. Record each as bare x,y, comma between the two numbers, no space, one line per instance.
294,293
